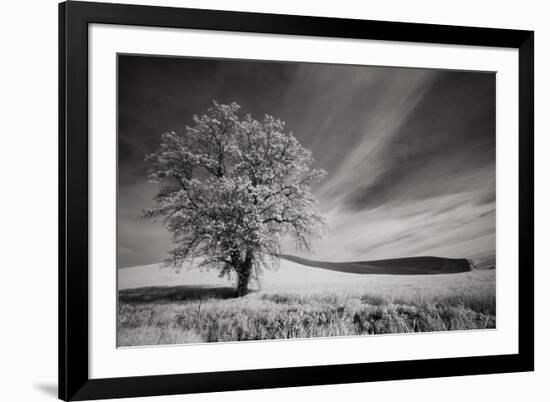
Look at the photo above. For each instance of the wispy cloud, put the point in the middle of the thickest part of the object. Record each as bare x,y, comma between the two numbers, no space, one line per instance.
394,102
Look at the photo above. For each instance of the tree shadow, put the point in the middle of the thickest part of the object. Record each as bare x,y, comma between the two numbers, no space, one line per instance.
175,293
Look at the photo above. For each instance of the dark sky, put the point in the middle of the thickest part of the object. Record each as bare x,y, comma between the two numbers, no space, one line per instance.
410,153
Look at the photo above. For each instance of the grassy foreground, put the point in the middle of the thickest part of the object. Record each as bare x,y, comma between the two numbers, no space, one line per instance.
373,305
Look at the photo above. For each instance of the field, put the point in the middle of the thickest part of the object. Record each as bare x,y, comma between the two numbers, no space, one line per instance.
160,306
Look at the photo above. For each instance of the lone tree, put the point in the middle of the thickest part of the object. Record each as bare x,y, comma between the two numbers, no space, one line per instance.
233,187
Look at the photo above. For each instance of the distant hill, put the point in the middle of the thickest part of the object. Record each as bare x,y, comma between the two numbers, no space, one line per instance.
394,266
484,261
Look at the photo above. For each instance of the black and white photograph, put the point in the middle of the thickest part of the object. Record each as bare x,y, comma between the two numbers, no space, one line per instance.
269,200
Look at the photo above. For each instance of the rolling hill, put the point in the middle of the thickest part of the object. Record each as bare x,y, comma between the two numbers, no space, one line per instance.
394,266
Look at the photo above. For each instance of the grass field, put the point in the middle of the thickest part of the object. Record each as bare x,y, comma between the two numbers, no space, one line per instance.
160,306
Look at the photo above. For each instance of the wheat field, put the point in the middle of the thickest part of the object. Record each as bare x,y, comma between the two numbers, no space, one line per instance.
159,306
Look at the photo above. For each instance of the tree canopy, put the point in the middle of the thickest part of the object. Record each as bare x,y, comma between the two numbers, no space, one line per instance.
232,189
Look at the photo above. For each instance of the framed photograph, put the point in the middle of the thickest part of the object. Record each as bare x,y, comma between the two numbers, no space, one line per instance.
258,201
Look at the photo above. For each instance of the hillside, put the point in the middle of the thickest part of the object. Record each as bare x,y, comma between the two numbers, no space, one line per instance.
394,266
303,276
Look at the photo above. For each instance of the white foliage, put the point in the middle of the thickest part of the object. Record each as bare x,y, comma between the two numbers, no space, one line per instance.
232,188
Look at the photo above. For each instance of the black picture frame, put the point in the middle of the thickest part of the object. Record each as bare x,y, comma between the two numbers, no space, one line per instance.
74,381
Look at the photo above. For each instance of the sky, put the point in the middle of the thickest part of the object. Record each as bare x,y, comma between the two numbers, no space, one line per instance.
409,153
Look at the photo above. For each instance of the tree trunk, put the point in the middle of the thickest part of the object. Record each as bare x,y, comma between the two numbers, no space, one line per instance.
242,283
243,275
